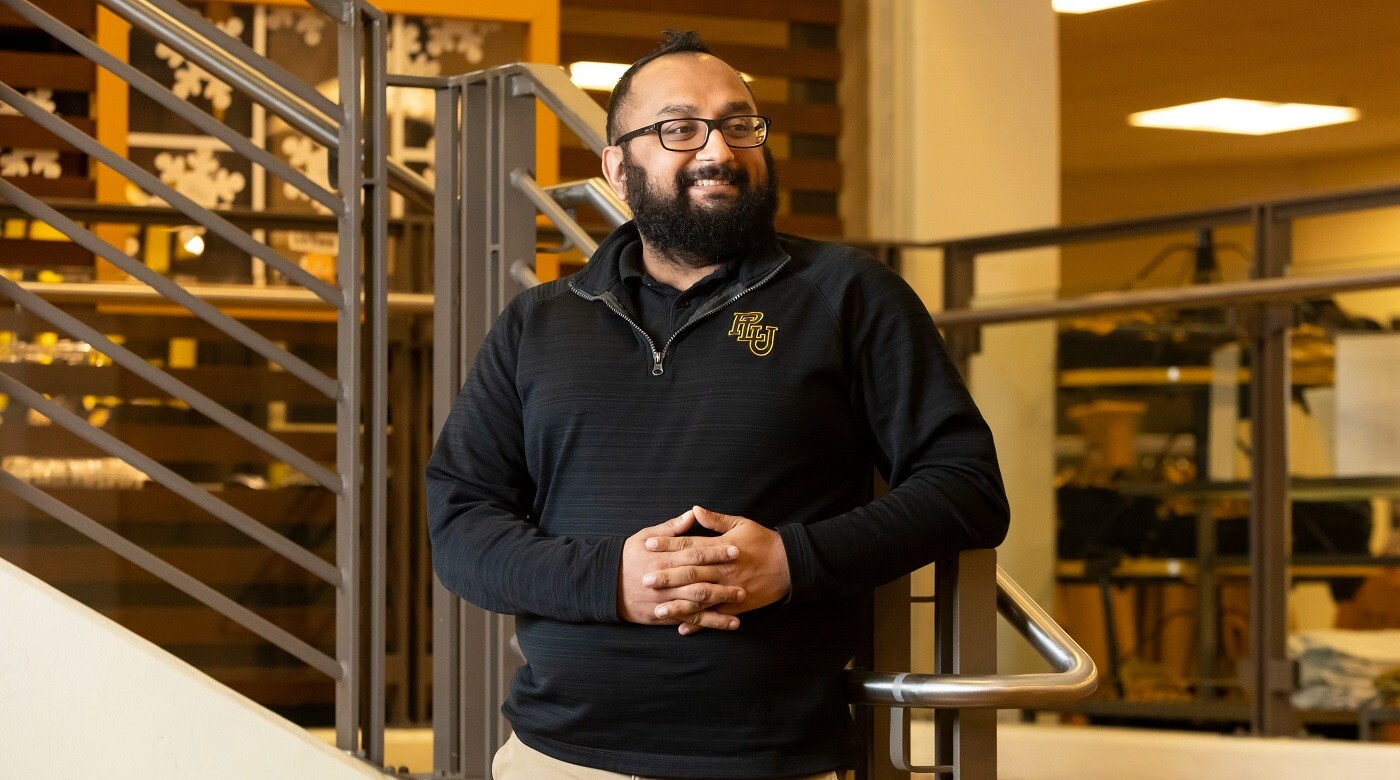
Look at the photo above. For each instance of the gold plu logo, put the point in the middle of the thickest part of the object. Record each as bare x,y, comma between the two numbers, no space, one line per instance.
747,330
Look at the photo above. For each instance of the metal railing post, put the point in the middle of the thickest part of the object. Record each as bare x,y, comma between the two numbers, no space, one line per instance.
1270,680
350,411
449,367
966,616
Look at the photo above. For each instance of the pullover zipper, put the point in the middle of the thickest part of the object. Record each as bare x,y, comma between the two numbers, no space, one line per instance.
658,356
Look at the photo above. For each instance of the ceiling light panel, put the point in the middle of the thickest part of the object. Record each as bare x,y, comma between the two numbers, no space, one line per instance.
1245,117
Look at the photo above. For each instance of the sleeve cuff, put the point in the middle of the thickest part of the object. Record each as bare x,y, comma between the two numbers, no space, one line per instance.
605,573
798,547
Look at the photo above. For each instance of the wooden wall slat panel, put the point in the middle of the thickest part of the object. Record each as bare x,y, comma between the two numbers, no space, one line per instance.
218,567
792,62
76,187
225,384
20,252
809,11
24,133
59,72
165,443
280,508
81,15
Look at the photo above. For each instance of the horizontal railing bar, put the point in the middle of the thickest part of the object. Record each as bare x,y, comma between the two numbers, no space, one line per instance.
198,401
411,81
176,578
269,298
1292,208
130,214
1103,231
523,181
157,92
1073,680
233,61
151,183
188,490
594,192
1220,293
174,292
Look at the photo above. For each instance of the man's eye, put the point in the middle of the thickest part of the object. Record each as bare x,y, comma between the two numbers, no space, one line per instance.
679,129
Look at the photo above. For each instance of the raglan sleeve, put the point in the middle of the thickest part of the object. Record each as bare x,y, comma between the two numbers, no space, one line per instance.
486,547
928,440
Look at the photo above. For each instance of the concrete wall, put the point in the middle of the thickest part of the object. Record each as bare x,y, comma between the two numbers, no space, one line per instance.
81,696
963,141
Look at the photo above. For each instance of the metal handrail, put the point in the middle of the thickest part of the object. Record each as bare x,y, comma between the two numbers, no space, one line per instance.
1075,677
353,130
1290,288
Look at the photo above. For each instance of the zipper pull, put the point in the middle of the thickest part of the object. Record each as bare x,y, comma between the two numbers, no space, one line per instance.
656,369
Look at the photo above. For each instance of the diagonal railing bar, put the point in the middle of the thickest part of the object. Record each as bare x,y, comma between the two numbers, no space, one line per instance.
596,193
159,93
168,288
527,185
171,575
183,487
205,405
154,185
228,58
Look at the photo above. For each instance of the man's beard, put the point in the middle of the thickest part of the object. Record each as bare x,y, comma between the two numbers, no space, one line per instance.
695,234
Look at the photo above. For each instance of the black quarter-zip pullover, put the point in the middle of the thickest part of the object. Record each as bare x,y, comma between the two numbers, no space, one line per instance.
777,399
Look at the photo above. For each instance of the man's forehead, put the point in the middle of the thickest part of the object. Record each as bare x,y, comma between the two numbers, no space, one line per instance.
685,84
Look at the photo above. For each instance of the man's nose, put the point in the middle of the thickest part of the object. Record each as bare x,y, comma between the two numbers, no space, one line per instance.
715,148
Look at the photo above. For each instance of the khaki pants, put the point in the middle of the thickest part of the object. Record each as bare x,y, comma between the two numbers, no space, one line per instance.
518,761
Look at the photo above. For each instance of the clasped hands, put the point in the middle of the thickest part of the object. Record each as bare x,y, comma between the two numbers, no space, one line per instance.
697,582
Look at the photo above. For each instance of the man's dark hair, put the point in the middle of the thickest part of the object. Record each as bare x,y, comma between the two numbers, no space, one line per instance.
677,42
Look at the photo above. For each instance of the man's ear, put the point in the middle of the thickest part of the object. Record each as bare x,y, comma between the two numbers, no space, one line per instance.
612,170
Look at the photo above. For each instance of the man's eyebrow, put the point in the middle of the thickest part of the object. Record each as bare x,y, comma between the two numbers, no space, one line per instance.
686,109
682,109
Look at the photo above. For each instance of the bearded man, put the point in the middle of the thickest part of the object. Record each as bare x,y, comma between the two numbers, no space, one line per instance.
663,466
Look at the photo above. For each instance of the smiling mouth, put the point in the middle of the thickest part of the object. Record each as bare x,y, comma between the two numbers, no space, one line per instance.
712,183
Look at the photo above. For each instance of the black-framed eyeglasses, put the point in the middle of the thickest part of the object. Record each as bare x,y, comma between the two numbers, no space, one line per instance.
688,134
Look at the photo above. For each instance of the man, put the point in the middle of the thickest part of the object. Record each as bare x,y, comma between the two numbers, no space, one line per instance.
663,465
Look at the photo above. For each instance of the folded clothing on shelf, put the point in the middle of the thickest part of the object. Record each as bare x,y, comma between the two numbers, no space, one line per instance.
1338,668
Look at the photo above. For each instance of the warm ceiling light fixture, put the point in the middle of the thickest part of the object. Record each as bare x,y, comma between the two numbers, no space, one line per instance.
1089,6
1245,117
601,76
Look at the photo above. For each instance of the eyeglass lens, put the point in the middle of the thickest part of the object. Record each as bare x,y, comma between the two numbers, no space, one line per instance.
687,135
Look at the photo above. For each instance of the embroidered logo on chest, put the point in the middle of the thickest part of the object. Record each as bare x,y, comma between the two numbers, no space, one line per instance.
748,330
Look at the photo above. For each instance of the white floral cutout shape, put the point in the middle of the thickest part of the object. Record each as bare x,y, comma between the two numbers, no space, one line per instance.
30,162
194,81
310,159
197,175
43,98
309,24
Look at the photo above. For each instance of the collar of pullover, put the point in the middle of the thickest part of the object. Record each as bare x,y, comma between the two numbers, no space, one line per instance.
601,274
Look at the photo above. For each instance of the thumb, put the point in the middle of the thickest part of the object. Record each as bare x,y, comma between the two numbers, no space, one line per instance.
714,520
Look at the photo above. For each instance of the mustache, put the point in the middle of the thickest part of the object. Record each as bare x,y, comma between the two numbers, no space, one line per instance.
736,176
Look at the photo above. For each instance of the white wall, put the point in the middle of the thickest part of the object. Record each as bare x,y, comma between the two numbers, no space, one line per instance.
81,697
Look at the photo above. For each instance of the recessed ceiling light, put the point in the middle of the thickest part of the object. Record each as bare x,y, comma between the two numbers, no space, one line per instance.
601,76
1089,6
1246,117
